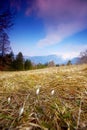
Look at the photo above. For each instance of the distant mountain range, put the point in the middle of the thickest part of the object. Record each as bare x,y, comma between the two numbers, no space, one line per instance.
55,58
45,59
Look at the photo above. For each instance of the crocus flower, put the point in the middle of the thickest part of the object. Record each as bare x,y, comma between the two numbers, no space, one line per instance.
9,99
52,92
37,91
21,111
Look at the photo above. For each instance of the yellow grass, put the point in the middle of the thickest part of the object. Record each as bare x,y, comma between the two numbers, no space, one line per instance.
22,107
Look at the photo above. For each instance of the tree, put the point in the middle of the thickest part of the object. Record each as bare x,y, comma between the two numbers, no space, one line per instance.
69,62
57,65
19,62
6,62
5,50
12,55
12,66
40,66
4,44
5,20
83,57
27,65
6,16
51,64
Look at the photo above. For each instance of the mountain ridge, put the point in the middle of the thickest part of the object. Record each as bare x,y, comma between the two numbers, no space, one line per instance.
45,59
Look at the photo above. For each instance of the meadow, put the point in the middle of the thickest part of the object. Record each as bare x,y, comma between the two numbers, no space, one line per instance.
44,99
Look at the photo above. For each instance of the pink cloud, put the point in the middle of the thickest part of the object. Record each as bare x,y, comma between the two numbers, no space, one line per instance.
61,10
62,18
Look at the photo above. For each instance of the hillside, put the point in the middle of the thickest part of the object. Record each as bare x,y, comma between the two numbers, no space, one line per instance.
45,99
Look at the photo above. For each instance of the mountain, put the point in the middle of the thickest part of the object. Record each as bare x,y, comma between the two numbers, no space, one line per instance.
75,60
45,59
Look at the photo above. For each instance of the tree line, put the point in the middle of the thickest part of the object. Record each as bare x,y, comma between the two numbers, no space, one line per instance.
18,63
12,62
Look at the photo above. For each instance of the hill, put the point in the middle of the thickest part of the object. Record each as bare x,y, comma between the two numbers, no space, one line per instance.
45,99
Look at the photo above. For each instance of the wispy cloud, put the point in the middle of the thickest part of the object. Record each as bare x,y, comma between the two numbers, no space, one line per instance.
62,31
62,18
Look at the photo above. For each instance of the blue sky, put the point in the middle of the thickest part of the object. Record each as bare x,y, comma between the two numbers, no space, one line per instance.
44,27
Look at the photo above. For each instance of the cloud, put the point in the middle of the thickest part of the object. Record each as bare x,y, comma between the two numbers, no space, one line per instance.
70,51
62,18
62,31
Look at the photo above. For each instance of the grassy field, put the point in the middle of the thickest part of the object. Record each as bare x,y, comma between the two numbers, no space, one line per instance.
45,99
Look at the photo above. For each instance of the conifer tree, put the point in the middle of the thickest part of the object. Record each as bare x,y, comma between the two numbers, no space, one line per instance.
28,65
19,62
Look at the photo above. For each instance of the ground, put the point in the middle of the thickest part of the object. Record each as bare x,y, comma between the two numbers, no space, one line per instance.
44,99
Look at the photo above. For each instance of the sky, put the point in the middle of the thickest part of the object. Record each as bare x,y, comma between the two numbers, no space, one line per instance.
45,27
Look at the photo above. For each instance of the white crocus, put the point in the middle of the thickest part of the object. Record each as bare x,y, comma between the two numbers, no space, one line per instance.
37,91
52,92
9,99
21,111
85,92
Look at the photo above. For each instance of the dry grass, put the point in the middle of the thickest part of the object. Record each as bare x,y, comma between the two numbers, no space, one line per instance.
45,99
